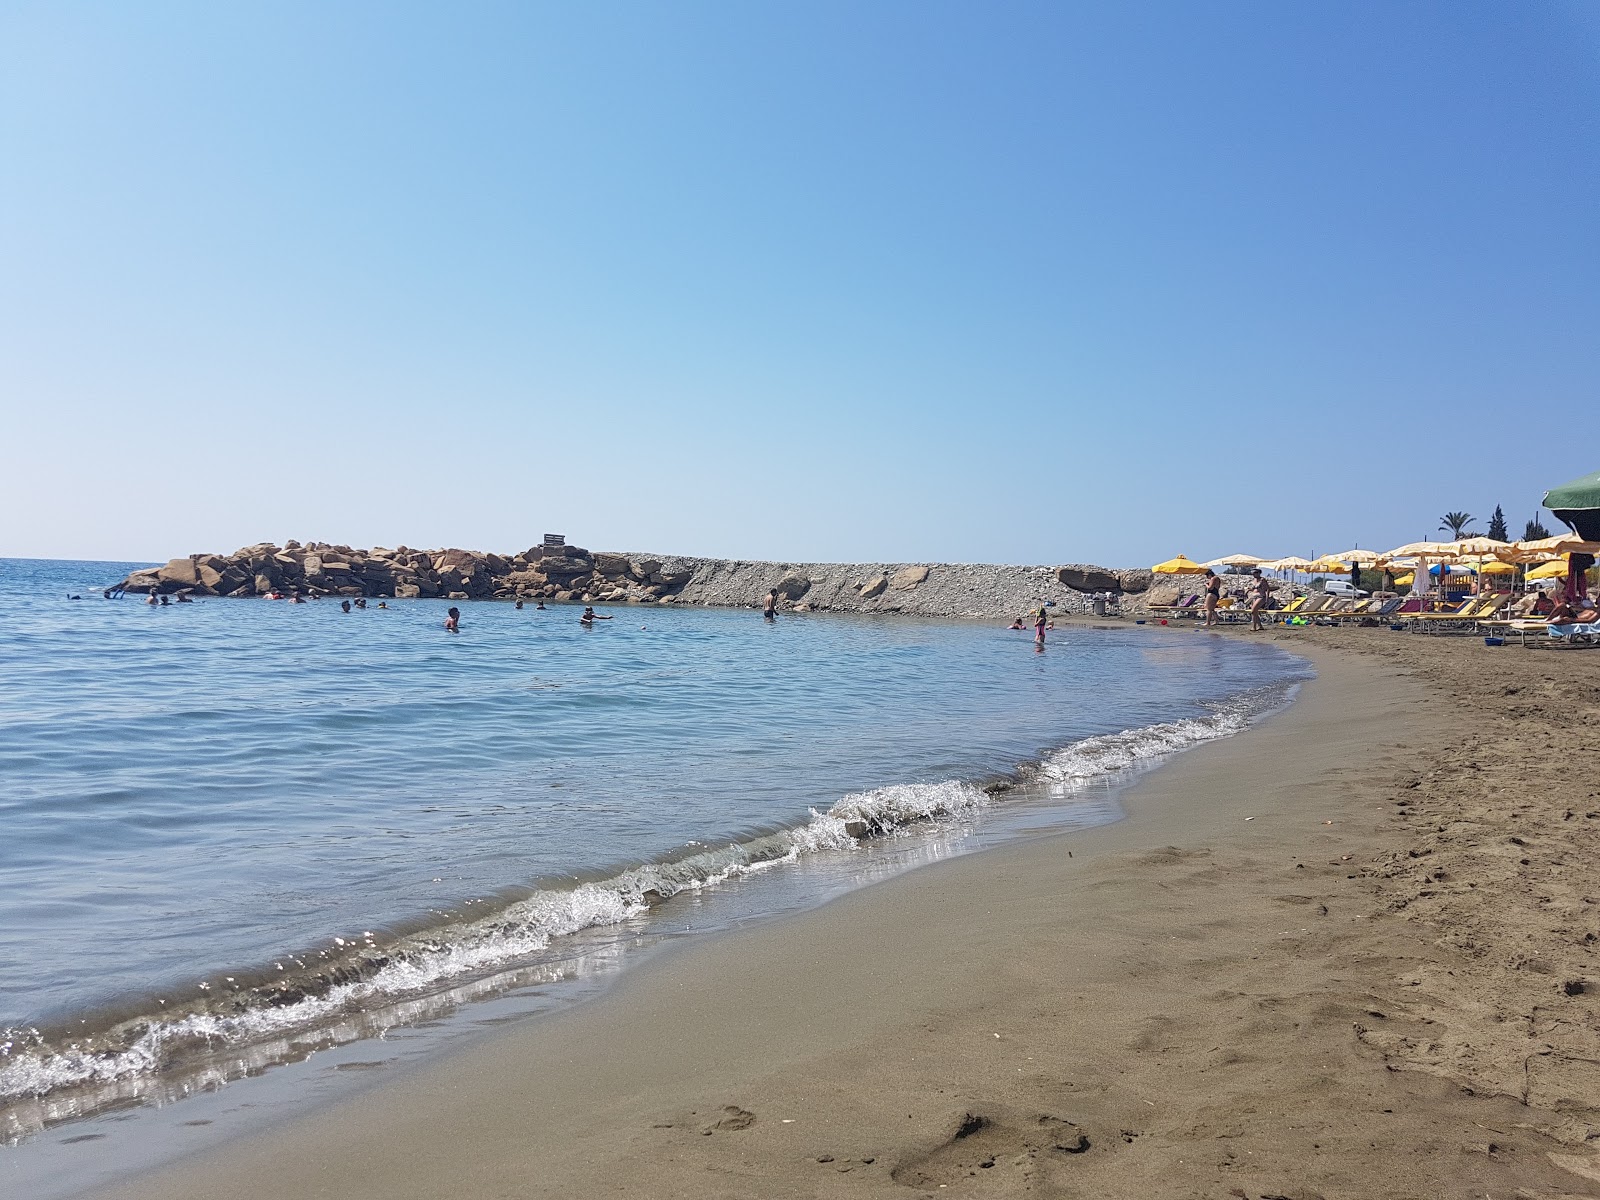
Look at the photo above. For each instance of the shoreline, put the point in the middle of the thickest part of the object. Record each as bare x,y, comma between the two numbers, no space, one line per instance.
1192,1002
1058,789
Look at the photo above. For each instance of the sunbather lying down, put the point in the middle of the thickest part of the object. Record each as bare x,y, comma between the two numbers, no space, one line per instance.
1576,612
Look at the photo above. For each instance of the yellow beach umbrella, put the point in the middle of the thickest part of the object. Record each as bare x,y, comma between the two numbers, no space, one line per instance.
1550,570
1497,568
1237,560
1405,580
1329,566
1178,566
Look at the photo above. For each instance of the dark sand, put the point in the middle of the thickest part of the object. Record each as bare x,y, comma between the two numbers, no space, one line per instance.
1381,984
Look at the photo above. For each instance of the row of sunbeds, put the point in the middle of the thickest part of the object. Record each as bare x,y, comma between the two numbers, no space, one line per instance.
1492,613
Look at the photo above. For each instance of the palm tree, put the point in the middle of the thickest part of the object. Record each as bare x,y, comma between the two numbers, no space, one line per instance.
1456,523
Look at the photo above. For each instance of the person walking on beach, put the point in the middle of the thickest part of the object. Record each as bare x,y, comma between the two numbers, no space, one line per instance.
770,610
452,619
1213,595
1258,601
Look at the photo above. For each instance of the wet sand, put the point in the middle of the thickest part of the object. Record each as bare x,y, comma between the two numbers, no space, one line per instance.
1349,953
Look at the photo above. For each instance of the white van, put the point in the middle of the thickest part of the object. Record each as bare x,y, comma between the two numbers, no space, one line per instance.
1342,587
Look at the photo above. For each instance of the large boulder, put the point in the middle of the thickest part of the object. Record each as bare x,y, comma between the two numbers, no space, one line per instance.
565,566
147,580
1082,578
643,568
792,586
1137,579
612,566
908,577
874,587
1164,595
210,577
179,573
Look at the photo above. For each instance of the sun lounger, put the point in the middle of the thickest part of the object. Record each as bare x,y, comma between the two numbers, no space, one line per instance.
1521,626
1575,634
1358,608
1186,604
1433,620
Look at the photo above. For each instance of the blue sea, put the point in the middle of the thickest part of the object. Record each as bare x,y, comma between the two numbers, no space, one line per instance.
233,827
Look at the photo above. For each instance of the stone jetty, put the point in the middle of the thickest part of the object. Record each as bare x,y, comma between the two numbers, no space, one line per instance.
572,573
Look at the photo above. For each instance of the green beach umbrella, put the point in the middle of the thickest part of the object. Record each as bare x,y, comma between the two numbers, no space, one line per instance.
1578,504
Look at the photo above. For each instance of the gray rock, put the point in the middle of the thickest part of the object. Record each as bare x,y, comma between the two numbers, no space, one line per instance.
1081,578
874,587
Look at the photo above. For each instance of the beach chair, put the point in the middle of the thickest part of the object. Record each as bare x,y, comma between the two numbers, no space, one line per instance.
1357,609
1185,604
1293,606
1302,611
1433,620
1498,603
1523,627
1334,611
1574,635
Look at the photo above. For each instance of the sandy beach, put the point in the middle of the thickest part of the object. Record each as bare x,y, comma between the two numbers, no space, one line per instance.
1349,953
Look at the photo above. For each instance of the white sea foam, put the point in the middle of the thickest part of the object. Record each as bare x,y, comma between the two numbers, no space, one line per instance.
369,975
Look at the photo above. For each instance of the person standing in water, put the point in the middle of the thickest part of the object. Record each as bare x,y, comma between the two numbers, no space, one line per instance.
1038,627
770,610
452,620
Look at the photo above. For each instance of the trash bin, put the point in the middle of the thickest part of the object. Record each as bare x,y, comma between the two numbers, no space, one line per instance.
1098,606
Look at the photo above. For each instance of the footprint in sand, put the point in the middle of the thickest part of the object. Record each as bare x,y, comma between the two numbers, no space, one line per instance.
992,1141
733,1117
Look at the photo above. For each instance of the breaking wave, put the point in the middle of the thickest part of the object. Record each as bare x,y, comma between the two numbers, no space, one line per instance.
302,993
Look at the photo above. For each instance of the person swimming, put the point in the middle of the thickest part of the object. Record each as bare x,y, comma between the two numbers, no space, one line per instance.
539,607
153,599
590,616
345,605
452,619
1016,624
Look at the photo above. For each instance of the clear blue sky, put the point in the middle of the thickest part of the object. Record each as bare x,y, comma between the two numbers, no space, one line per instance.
1019,283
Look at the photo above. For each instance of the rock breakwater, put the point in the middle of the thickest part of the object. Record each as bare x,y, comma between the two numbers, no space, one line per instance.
572,573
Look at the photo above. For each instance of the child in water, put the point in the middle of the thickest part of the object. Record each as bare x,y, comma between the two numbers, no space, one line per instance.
452,619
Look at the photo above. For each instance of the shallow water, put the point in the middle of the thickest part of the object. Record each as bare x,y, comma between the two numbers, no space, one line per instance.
233,821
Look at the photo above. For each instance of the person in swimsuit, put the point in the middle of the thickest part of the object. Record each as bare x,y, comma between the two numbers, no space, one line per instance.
1017,624
1039,627
452,619
770,607
590,616
1258,601
1213,595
